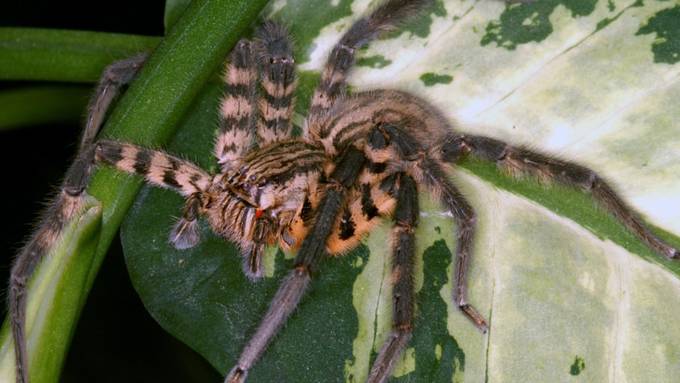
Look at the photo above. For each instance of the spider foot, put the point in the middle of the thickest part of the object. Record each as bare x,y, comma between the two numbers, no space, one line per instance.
474,315
184,234
252,261
236,375
668,251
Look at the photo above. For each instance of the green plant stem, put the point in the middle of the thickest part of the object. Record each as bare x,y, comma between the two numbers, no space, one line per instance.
63,55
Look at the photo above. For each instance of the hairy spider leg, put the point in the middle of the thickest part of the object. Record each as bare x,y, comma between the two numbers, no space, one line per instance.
248,117
311,252
276,67
465,217
420,163
245,117
67,204
519,161
407,130
371,199
236,132
157,167
162,169
333,77
402,278
113,78
364,208
377,195
367,203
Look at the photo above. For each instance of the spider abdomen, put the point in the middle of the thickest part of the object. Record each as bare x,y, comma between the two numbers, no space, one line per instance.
351,119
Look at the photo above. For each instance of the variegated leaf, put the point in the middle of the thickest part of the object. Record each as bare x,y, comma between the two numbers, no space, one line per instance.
569,293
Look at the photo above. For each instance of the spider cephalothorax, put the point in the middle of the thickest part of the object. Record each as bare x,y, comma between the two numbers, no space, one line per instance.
360,158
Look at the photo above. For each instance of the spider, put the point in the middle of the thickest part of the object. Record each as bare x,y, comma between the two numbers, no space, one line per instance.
360,158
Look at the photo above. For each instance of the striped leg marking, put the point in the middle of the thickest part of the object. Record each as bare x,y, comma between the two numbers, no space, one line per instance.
62,210
341,58
158,168
403,294
67,204
162,169
429,172
372,199
277,75
466,219
519,161
236,132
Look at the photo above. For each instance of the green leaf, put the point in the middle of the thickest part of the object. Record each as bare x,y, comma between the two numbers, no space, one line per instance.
566,289
173,11
36,105
61,55
148,114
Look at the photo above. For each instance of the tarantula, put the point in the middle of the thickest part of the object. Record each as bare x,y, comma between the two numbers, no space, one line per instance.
360,158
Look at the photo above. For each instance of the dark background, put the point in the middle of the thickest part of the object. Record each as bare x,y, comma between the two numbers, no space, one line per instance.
116,339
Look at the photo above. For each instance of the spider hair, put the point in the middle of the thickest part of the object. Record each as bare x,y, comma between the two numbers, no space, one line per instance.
361,158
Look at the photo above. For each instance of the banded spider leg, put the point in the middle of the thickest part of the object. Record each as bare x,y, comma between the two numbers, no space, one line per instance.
307,260
246,119
66,205
519,161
